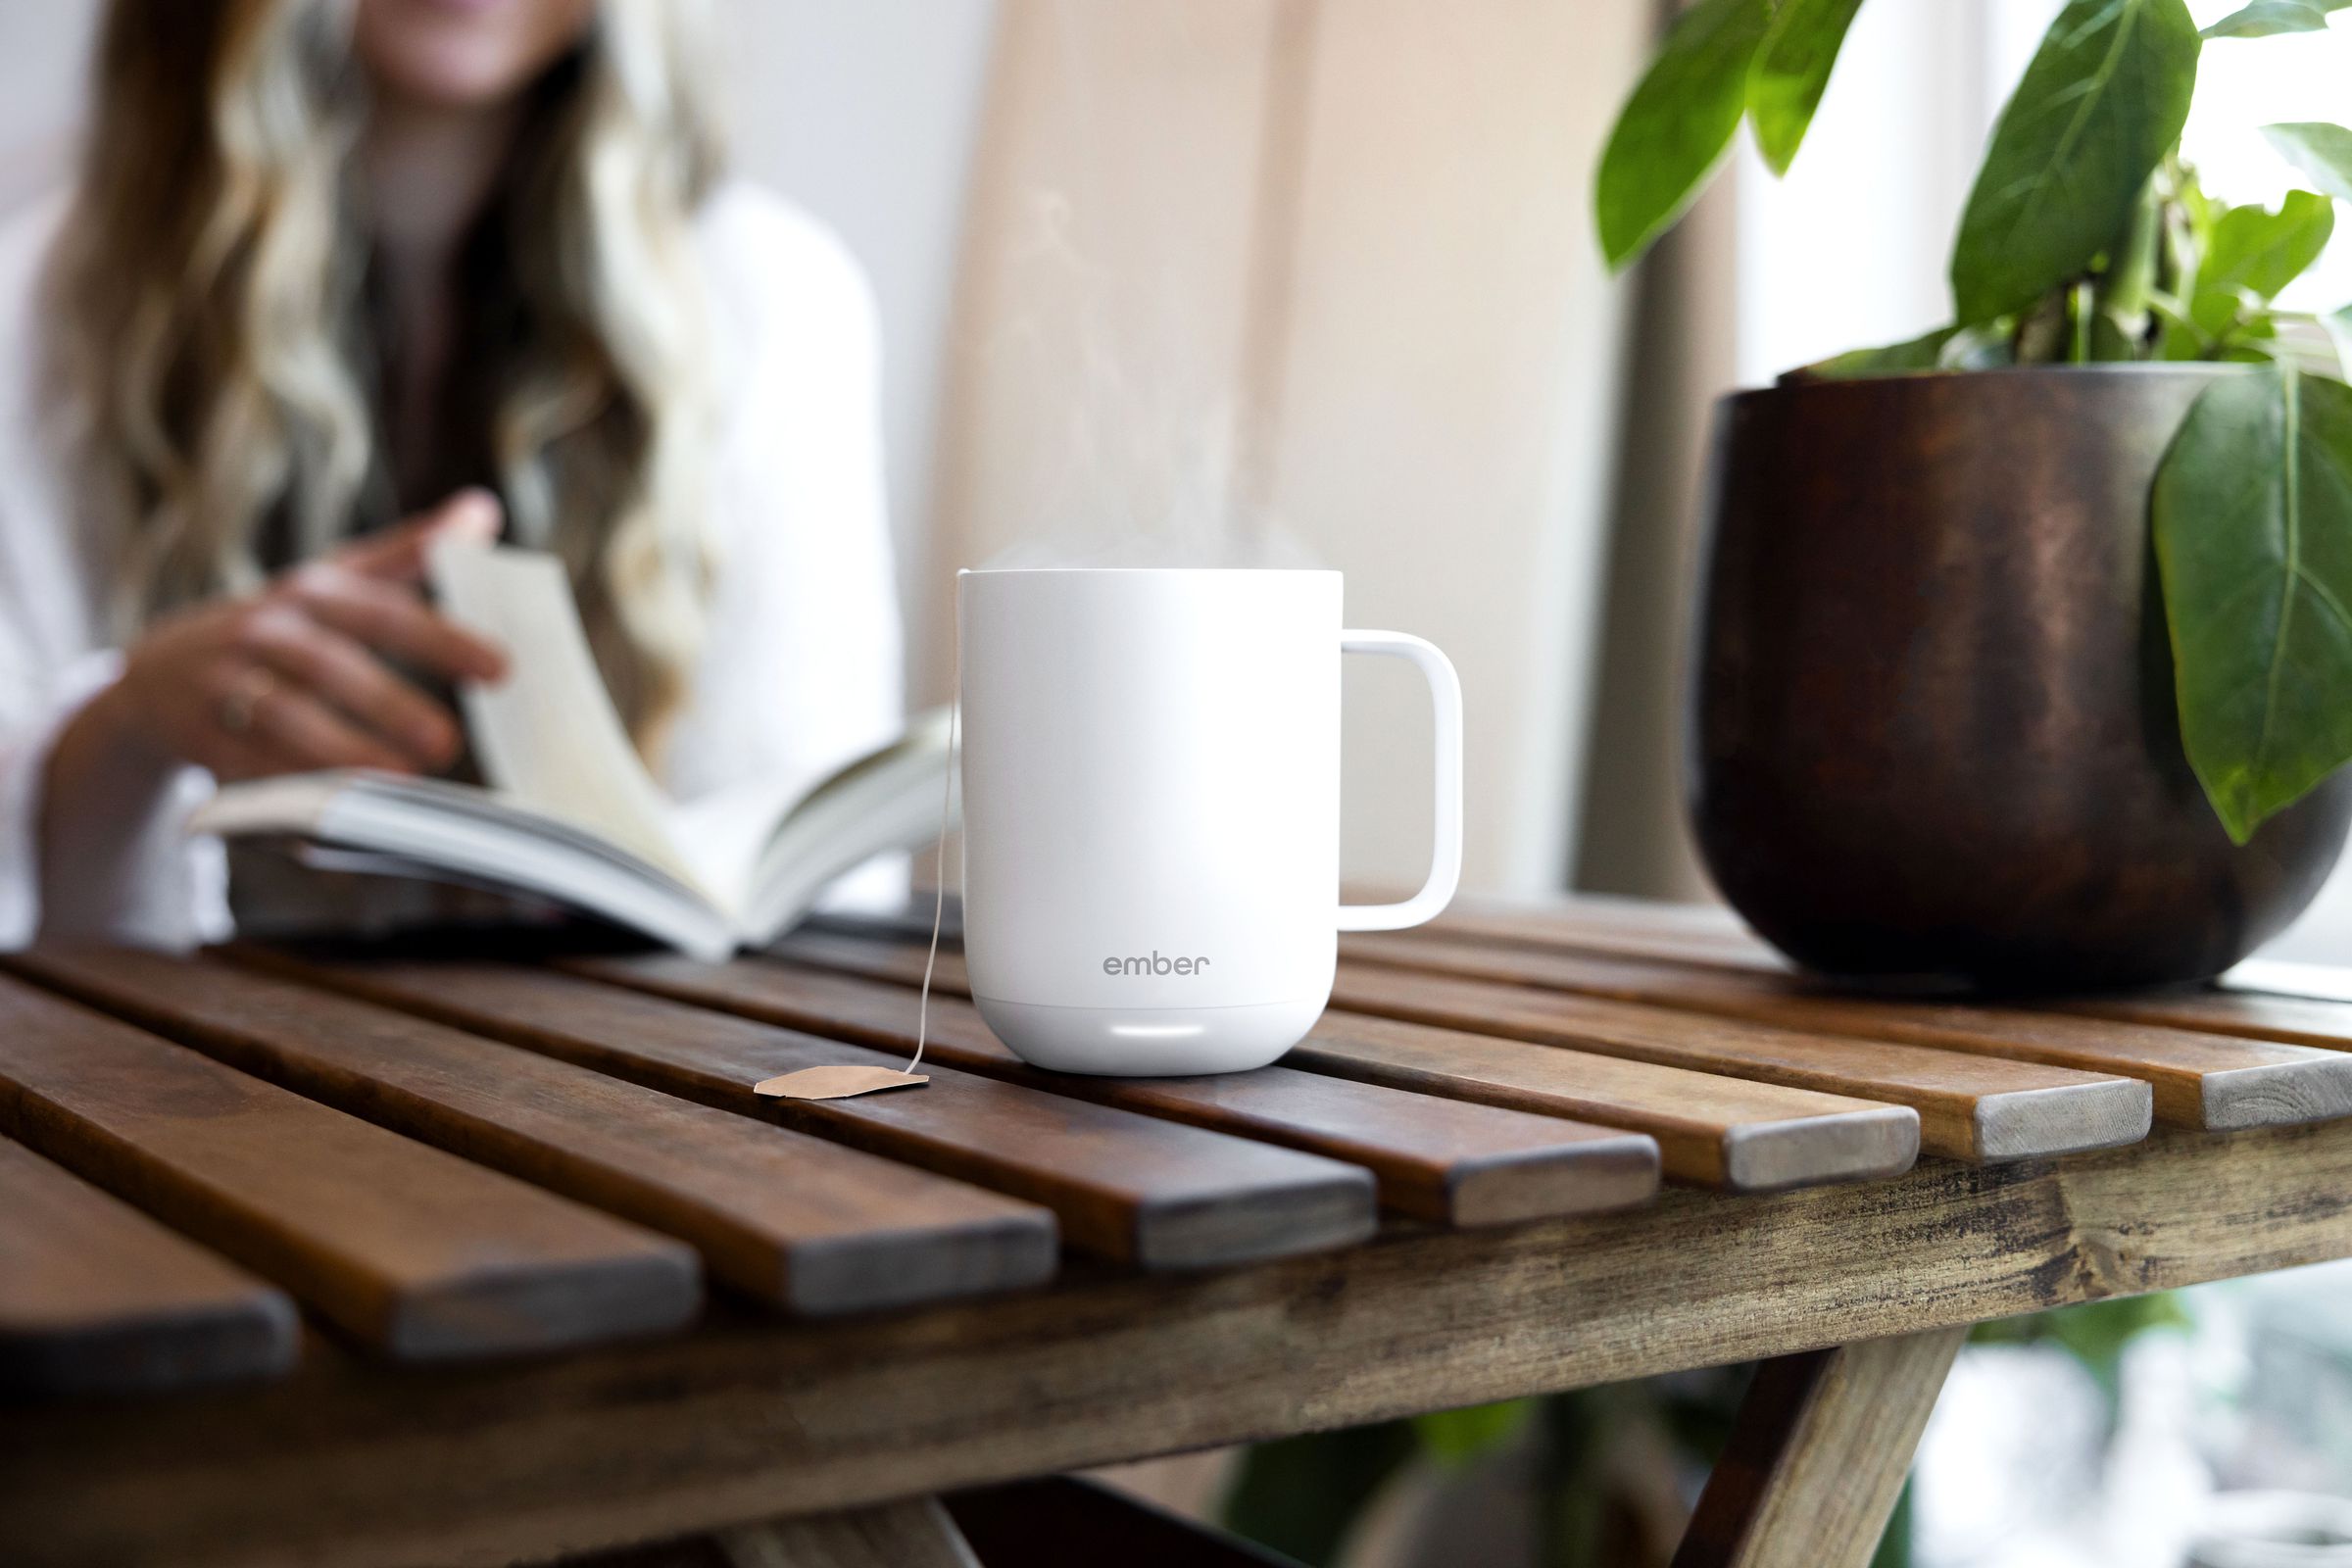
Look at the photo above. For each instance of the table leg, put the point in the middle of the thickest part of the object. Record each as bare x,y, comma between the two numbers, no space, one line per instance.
914,1533
1818,1455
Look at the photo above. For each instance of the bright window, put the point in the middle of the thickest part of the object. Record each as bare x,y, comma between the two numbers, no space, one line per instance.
1849,250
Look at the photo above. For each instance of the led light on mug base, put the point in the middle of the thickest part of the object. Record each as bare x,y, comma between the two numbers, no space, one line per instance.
1151,812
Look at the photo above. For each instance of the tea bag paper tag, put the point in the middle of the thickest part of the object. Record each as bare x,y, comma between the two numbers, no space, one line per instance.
848,1080
842,1082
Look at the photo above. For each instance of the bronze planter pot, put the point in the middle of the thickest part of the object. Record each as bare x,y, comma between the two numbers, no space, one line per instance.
1932,730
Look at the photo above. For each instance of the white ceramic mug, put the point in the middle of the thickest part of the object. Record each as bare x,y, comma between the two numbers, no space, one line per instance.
1151,810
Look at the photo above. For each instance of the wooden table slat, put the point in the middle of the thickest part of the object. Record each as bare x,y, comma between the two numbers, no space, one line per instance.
1631,928
1720,1132
2321,1023
96,1297
1738,1134
2198,1080
2289,1003
793,1221
1125,1186
413,1251
1443,1161
1968,1107
748,1418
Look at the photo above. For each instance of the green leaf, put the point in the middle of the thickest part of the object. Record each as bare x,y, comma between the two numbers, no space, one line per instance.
2105,96
1674,129
2319,149
2261,251
2181,338
1923,353
1792,69
2267,19
2339,328
1455,1438
1947,348
2253,523
2254,253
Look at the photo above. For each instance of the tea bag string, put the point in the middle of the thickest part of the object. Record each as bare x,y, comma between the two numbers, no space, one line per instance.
846,1080
939,868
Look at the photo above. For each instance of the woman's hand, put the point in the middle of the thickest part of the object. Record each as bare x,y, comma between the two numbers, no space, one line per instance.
298,675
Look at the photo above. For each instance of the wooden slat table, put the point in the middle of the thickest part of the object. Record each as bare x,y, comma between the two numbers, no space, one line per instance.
396,1262
95,1296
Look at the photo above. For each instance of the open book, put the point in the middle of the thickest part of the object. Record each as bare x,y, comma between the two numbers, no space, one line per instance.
572,814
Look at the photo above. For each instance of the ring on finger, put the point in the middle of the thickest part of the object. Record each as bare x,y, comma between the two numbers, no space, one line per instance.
237,706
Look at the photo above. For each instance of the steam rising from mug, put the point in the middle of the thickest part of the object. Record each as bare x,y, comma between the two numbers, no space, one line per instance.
1150,778
1115,470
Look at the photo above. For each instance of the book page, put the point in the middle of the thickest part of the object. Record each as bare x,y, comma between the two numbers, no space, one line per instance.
546,734
720,835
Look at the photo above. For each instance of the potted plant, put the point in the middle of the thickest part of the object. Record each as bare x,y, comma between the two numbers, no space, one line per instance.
2025,648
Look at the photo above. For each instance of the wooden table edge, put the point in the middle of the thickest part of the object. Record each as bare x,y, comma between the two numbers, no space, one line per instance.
2111,1115
1593,1176
248,1339
746,1419
2240,1097
1784,1155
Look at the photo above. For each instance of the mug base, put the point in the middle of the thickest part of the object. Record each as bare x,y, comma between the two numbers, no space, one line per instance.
1150,1042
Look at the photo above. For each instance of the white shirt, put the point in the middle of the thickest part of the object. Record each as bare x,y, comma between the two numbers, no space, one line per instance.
801,667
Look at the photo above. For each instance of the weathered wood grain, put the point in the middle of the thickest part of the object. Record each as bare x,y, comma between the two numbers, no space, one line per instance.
353,1465
2261,999
414,1252
1731,1132
1970,1110
1633,928
2244,1008
1818,1455
1970,1107
791,1220
1713,1130
95,1298
2290,1003
1707,934
2198,1080
1125,1186
1447,1161
2313,1021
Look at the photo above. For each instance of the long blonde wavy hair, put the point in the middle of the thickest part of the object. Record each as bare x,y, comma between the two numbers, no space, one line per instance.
211,332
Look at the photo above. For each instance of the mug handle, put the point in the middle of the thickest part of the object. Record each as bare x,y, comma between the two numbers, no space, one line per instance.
1445,855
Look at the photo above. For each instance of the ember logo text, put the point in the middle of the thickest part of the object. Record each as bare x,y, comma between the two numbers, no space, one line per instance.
1156,964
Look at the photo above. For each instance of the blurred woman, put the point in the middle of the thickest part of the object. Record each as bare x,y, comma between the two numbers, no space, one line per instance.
337,275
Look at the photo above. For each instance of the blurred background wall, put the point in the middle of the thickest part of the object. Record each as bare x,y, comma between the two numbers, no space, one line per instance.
1314,281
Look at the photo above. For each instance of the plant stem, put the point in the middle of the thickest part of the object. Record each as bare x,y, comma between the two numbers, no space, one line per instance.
2042,332
2133,276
